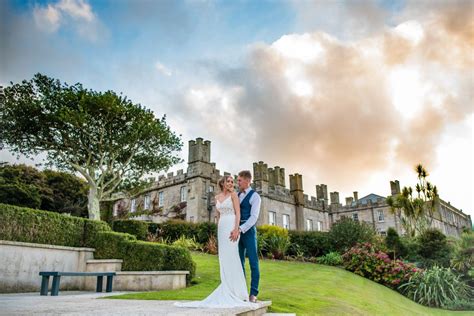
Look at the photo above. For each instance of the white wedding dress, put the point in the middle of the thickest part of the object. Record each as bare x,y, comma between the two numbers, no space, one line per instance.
232,292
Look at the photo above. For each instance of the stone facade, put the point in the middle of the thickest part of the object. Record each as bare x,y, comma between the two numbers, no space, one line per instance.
190,196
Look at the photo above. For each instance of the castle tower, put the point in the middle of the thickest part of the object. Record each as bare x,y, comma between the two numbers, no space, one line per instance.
199,150
322,194
260,176
276,176
335,198
296,189
349,201
199,173
395,187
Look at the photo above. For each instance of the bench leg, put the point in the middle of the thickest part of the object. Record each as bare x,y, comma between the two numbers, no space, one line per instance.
55,288
100,280
110,279
44,285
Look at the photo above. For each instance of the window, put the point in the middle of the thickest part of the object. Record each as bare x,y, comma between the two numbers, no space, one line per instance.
160,199
381,216
320,226
183,194
383,233
309,225
191,219
147,201
286,221
211,188
355,216
133,205
271,218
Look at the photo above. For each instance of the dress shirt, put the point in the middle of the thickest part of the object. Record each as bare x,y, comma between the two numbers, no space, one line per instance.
255,202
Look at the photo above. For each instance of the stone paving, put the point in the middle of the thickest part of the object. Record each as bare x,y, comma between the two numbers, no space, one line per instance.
87,303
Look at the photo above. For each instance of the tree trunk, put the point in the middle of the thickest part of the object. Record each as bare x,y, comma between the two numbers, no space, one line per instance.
93,205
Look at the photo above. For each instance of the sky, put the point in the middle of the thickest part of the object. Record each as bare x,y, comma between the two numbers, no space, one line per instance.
351,94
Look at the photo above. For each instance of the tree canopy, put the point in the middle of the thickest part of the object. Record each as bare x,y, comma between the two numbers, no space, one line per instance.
103,136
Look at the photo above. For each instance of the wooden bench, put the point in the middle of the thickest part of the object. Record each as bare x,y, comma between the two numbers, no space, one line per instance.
57,277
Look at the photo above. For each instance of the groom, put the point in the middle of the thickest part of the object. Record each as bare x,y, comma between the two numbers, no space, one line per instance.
249,209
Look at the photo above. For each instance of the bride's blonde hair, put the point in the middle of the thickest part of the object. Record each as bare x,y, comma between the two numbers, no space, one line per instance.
222,182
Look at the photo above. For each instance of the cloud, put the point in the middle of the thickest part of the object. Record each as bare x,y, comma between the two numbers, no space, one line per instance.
163,69
343,19
49,18
340,111
77,9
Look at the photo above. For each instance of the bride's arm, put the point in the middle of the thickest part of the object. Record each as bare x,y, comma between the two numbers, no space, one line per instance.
236,203
218,214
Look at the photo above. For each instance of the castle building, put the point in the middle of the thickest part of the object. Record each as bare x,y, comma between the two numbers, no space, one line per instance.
190,195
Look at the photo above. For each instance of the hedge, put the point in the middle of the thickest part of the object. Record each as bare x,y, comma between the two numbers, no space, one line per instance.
174,229
43,227
36,226
311,244
134,227
139,255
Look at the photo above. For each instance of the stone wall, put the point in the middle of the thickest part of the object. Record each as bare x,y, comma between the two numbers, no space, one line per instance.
20,264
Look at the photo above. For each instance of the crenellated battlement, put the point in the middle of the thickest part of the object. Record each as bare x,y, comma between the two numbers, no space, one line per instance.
199,150
169,179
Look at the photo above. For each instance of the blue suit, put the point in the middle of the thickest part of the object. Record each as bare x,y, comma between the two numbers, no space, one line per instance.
248,244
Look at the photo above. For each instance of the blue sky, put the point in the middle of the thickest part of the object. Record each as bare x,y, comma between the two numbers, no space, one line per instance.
348,93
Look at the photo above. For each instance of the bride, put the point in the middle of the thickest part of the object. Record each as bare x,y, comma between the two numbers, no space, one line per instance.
232,291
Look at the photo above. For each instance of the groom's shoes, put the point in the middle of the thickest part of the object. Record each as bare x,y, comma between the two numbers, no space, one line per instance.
253,298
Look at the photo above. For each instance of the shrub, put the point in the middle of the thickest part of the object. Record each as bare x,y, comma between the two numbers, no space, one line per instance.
188,243
134,227
461,305
204,231
410,245
174,229
141,255
463,258
346,232
394,244
310,244
275,240
91,230
331,259
433,248
370,262
211,246
437,287
111,245
20,194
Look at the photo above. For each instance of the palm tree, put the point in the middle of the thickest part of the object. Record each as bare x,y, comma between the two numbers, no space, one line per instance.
415,213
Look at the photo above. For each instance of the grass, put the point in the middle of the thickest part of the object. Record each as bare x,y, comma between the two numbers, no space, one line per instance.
304,289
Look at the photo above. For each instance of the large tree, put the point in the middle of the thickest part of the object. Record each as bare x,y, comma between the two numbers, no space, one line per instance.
101,135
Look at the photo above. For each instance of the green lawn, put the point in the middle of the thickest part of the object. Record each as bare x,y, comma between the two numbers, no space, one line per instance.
304,289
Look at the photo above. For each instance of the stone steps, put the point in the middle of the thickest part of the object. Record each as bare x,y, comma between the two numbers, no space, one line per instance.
91,303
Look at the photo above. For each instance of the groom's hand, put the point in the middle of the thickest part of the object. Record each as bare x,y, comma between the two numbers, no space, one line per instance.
234,235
